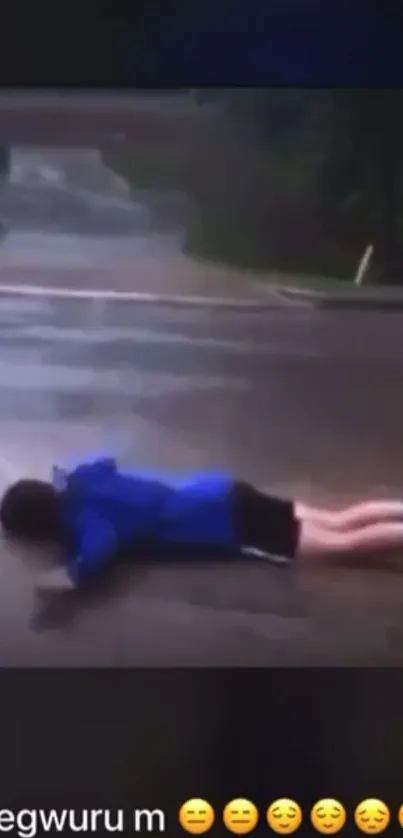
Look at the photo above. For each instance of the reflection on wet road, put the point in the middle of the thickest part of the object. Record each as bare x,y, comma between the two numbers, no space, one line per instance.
303,401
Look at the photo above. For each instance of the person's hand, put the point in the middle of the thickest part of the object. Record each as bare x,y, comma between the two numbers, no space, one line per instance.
53,601
54,582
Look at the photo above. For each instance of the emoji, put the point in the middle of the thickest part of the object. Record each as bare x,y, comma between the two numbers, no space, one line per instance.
372,816
284,816
240,816
400,816
196,816
328,816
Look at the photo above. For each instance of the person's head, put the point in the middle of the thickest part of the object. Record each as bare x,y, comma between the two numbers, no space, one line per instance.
29,509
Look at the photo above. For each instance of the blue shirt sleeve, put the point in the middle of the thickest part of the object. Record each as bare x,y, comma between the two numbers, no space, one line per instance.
96,544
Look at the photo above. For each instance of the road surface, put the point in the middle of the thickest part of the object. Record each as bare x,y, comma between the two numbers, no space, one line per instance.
305,402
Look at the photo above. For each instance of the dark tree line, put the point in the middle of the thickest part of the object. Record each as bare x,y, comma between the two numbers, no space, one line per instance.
347,147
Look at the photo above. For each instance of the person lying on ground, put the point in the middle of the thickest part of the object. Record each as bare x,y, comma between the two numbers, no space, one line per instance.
97,509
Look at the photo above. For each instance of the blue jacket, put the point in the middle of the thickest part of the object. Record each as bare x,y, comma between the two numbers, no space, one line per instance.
104,509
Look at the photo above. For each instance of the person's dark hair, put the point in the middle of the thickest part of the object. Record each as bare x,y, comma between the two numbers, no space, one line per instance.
30,509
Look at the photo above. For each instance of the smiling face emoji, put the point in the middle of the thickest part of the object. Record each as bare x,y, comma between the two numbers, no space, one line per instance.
196,816
372,816
328,816
240,816
284,816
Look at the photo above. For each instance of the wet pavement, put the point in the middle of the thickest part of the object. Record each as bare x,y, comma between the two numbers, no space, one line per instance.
307,402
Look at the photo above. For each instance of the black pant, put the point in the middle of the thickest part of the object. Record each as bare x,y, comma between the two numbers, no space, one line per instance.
265,522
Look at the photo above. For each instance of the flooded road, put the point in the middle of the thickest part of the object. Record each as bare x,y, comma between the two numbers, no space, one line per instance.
305,402
289,399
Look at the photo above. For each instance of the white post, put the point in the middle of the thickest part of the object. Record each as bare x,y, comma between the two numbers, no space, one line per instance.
363,265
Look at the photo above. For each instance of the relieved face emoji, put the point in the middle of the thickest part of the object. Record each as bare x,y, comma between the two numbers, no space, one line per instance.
284,816
240,816
372,816
196,816
328,816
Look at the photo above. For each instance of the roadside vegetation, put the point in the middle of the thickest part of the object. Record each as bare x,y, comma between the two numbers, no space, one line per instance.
288,180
